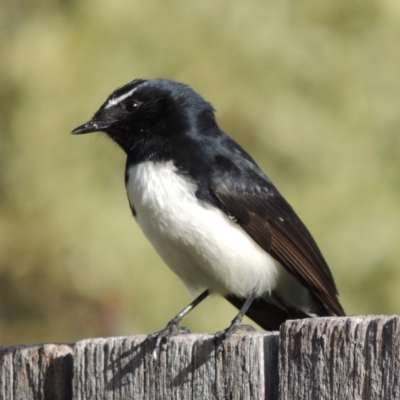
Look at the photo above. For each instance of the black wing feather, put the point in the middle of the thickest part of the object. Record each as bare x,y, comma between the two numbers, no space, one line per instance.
265,215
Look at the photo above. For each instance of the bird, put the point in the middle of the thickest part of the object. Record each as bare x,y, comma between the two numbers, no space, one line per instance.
210,212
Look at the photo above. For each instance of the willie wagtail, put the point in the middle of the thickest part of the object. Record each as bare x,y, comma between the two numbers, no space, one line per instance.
209,211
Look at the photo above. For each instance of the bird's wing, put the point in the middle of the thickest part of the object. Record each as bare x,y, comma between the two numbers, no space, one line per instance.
270,221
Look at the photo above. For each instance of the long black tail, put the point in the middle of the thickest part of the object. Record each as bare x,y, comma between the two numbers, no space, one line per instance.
268,316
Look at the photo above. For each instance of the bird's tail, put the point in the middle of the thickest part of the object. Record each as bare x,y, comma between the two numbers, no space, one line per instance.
268,316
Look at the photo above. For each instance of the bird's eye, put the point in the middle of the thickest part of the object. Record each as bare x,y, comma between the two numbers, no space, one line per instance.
131,106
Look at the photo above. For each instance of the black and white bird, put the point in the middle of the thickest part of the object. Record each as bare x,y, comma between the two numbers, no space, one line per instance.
209,211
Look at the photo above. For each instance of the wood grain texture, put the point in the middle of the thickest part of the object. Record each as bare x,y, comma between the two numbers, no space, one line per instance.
340,358
322,358
36,372
188,368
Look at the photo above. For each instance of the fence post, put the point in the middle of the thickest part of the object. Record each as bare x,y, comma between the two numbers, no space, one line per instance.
322,358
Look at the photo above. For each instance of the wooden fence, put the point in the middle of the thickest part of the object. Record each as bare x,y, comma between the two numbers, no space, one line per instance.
323,358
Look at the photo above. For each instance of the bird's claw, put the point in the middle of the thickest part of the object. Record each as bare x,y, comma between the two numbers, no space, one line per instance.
162,336
221,336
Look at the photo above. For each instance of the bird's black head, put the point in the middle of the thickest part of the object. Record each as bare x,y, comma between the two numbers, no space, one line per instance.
149,114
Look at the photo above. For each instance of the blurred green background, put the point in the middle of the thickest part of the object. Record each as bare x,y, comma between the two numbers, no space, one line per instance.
310,89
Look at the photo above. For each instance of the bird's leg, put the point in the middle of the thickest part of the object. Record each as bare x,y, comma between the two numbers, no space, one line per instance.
236,322
173,327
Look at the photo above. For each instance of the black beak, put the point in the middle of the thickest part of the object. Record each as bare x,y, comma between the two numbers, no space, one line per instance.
92,126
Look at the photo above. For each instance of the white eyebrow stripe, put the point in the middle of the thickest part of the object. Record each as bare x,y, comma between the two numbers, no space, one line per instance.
116,100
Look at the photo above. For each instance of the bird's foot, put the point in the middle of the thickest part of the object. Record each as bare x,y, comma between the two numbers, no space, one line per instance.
162,336
221,336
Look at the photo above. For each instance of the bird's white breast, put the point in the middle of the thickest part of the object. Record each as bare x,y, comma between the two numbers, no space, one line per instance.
202,245
196,240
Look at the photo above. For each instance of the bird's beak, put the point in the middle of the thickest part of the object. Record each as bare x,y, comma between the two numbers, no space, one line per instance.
94,125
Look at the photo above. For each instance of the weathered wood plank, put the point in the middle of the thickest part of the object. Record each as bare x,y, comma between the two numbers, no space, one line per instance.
324,358
340,358
36,372
123,368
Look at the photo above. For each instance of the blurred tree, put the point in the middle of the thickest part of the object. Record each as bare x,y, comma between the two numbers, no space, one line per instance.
310,90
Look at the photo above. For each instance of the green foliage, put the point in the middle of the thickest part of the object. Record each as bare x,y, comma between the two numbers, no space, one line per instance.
312,91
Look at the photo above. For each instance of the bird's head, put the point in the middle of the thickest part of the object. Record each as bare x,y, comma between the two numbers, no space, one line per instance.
150,111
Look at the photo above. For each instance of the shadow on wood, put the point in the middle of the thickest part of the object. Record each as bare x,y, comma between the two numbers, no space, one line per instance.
36,372
321,358
190,368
